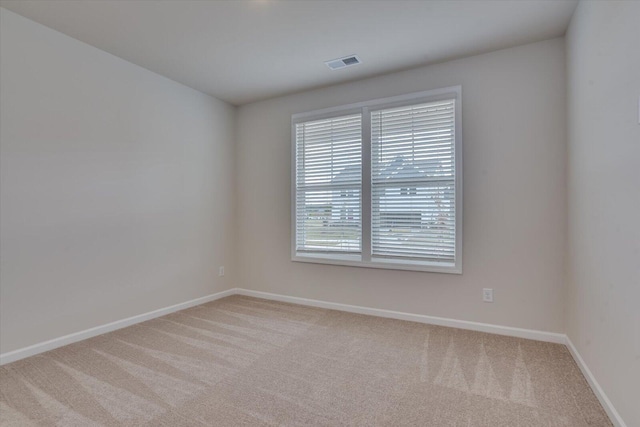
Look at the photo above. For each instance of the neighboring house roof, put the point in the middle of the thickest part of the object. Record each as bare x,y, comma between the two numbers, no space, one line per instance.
397,168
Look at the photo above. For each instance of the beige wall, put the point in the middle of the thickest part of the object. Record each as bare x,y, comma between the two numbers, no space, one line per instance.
116,187
513,105
603,298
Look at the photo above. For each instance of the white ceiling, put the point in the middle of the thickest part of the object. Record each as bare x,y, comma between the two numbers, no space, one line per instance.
243,51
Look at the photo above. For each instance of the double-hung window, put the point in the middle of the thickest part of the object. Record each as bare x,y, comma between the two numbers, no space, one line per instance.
379,183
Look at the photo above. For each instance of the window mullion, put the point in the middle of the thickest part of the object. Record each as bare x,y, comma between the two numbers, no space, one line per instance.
366,185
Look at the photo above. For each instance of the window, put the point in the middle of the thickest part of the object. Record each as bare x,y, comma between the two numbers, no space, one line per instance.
379,184
328,185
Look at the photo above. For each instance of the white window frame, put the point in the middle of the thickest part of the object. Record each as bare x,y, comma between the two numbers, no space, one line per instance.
365,259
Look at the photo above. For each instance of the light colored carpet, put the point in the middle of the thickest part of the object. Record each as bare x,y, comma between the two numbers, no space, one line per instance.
246,361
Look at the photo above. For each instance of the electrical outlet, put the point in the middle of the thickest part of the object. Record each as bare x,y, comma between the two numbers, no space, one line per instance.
487,295
221,271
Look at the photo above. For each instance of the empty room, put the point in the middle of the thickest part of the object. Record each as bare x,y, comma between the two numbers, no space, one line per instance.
320,213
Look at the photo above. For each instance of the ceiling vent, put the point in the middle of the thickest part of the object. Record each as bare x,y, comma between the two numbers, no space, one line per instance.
347,61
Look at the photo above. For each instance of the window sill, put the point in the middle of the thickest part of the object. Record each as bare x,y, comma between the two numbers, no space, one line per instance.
355,261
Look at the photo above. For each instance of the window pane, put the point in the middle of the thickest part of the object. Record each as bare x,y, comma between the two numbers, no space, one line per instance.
329,220
413,182
328,185
414,221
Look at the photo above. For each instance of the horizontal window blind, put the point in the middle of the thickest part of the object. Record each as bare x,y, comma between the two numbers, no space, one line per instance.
413,182
328,185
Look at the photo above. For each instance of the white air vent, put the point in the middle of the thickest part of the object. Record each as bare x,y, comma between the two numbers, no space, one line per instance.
347,61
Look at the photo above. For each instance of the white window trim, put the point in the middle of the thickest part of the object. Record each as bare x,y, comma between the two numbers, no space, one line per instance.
366,260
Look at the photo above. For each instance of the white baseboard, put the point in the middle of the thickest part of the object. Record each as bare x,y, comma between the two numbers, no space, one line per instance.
420,318
614,416
32,350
